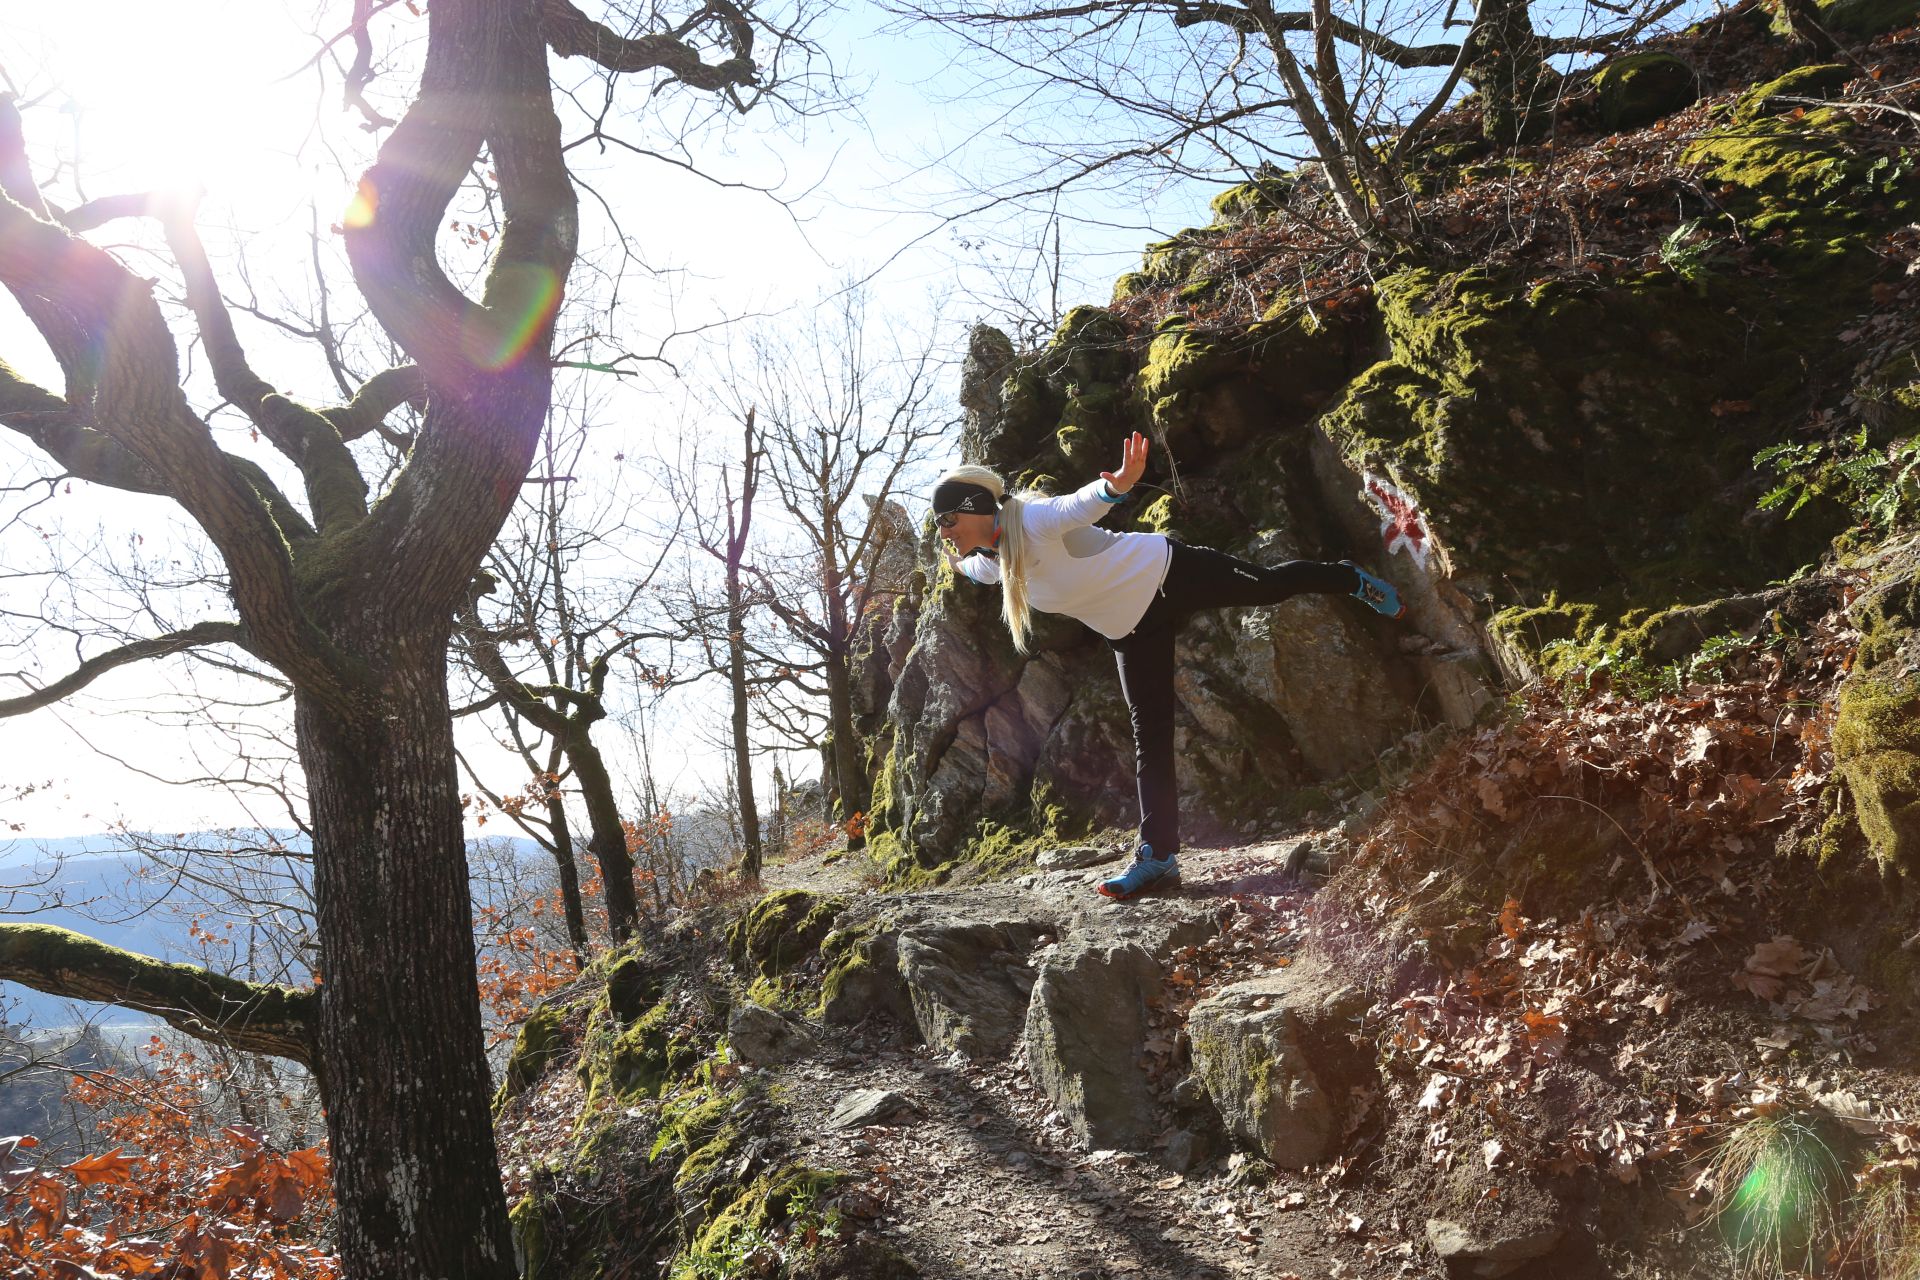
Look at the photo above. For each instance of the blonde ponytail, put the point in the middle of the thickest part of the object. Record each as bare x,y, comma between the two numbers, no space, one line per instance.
1013,571
1012,550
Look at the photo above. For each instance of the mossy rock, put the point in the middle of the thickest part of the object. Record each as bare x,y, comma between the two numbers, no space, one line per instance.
1199,290
1805,194
1521,419
1876,756
1859,17
1253,200
633,986
1643,87
1178,258
1821,80
1079,447
541,1039
1089,348
781,931
1129,284
1876,733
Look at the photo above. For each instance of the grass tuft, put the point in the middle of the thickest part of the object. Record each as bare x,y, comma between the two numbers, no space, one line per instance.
1784,1184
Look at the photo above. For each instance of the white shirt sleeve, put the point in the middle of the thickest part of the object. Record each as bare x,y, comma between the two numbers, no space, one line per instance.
984,570
1051,517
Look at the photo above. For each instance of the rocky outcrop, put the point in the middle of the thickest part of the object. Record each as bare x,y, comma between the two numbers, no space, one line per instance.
982,740
1047,966
1275,1057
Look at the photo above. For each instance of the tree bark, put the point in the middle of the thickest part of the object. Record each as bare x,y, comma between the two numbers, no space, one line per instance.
1508,68
850,774
609,844
414,1167
738,529
567,865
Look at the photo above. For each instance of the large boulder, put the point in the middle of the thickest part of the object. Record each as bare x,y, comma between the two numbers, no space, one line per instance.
1274,1056
1087,1023
1876,733
1643,87
968,982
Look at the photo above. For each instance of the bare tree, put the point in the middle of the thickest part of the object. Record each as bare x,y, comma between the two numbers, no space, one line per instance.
537,596
1220,88
350,595
848,417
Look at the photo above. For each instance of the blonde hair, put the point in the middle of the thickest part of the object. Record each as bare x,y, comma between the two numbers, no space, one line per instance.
1013,549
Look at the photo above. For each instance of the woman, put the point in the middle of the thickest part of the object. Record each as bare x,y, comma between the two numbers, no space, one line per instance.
1133,588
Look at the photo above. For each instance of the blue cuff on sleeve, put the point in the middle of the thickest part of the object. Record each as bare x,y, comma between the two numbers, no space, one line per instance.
1106,494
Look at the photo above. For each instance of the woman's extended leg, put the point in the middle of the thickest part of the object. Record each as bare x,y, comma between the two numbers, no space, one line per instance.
1202,578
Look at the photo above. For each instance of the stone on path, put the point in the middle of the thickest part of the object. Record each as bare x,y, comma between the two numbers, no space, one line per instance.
863,1107
1275,1059
764,1037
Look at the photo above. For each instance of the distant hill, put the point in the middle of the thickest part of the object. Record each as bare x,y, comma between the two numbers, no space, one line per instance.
104,886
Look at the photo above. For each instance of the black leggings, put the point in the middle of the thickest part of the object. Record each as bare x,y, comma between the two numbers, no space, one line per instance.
1197,578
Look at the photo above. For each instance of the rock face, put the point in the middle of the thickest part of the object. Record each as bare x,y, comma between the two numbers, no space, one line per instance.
968,982
1275,1059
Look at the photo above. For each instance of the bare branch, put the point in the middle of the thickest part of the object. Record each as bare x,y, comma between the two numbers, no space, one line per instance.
92,669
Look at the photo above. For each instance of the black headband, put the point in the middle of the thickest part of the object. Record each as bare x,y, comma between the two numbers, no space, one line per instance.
959,495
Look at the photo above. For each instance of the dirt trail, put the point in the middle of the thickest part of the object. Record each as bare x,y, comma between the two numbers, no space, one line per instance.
982,1179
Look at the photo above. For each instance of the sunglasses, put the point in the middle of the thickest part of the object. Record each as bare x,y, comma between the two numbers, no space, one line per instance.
947,520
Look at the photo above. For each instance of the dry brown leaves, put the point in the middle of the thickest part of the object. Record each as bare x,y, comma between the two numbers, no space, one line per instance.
1694,792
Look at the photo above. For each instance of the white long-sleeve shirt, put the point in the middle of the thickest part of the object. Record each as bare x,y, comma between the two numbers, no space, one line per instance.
1104,579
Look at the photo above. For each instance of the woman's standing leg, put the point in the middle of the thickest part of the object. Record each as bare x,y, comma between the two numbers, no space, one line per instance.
1145,661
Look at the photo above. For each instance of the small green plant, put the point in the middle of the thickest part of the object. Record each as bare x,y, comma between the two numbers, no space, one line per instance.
1885,175
1880,486
738,1254
1689,252
1783,1182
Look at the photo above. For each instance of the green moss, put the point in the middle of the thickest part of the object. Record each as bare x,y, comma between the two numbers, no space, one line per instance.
1876,756
785,1202
528,1223
1520,418
781,931
1129,284
540,1040
1198,290
849,959
632,986
1860,17
1803,190
1251,200
1820,80
1643,87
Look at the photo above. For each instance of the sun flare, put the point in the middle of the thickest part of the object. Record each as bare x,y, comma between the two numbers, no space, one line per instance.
195,96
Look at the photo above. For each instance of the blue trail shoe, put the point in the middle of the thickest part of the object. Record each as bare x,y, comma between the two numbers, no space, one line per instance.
1377,593
1147,872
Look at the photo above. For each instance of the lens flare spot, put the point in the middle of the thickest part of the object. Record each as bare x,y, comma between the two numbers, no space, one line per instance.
521,301
363,207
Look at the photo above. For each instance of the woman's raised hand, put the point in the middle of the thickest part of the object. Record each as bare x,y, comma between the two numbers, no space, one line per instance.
1133,461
